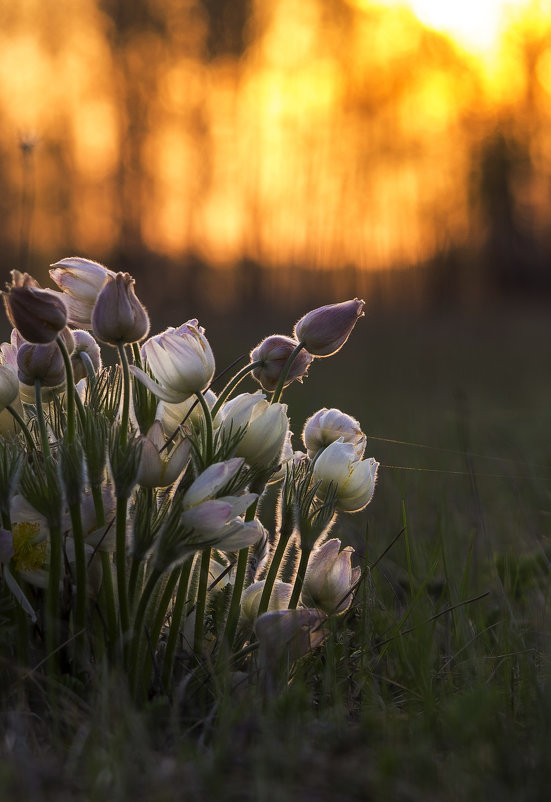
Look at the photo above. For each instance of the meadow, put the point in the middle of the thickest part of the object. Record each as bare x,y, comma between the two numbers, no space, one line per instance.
437,685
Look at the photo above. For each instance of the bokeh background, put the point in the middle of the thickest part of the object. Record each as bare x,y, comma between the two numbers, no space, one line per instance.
247,160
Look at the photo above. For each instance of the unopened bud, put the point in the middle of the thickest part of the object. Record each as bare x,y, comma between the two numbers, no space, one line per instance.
325,330
38,315
43,362
85,344
274,352
118,316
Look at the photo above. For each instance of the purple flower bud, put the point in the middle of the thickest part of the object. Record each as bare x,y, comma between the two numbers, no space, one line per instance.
43,362
39,315
274,352
118,316
325,330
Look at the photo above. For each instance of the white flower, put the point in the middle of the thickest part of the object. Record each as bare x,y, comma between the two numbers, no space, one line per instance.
211,481
250,600
355,479
9,381
81,281
267,427
330,578
190,412
158,467
181,361
288,635
326,426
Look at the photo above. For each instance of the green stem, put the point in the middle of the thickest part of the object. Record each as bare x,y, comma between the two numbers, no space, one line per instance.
240,574
158,619
107,588
125,414
52,600
201,605
271,576
80,565
80,408
70,434
41,419
299,579
232,384
177,612
120,536
135,674
24,428
285,372
235,603
209,444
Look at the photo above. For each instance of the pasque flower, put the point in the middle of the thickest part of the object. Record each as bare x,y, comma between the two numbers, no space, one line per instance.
81,281
326,426
158,467
43,362
355,479
9,386
181,361
330,578
39,315
274,352
325,330
84,344
266,427
118,316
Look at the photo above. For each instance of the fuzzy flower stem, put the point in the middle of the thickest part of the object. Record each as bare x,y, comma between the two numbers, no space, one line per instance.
209,444
24,428
52,600
80,563
284,373
271,576
41,419
240,574
157,620
125,414
177,612
134,671
107,577
70,434
201,602
232,384
80,408
299,579
120,536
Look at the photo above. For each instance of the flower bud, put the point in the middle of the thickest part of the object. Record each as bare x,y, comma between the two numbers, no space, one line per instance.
85,344
330,578
118,316
325,330
355,479
250,600
287,635
274,352
43,362
266,427
158,468
39,315
328,425
181,361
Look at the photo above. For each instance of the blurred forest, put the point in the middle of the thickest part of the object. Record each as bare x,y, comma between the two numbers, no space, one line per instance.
231,152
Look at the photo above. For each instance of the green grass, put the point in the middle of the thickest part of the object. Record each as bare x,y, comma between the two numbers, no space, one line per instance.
438,685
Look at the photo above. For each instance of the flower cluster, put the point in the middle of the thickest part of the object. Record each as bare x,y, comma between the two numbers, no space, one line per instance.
130,495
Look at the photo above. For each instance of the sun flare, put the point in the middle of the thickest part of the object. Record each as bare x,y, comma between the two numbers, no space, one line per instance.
473,24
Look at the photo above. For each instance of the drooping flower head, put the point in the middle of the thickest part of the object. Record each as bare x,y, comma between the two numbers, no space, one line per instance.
39,315
325,330
326,426
273,353
355,479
